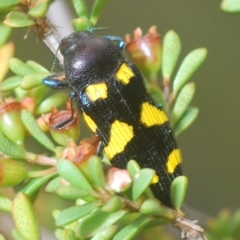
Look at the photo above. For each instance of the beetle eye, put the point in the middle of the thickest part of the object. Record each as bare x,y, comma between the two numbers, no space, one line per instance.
66,45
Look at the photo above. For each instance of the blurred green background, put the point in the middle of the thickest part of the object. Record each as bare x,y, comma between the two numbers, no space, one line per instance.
210,146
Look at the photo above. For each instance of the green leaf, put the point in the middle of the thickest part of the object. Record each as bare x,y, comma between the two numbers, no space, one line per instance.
128,218
97,9
74,213
171,51
133,168
73,175
34,185
80,8
19,68
8,3
186,120
39,94
73,193
81,24
10,149
20,94
182,102
230,5
68,192
5,31
16,235
32,126
113,205
5,203
178,191
11,124
53,185
18,19
6,53
10,83
235,225
62,137
55,213
152,207
32,80
24,217
106,234
65,234
36,67
96,171
96,222
2,237
40,9
157,96
222,223
141,182
56,100
189,65
129,232
160,221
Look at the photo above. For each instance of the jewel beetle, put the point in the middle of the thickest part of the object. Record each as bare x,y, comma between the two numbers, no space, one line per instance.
116,106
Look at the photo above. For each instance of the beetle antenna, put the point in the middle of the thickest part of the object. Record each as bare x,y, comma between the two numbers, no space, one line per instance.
91,30
54,59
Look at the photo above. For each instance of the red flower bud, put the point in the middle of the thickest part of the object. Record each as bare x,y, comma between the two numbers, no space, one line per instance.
118,180
146,51
29,104
80,153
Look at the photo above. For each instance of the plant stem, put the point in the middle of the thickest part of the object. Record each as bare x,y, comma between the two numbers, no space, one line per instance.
40,160
35,174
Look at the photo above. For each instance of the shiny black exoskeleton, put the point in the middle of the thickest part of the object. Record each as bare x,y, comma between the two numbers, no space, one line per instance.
117,108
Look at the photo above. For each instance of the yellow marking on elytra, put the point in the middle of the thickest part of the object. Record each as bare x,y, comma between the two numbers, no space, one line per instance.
151,115
173,160
91,124
155,179
124,73
120,134
97,91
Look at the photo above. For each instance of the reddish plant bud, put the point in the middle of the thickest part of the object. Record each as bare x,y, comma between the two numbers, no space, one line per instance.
69,131
145,51
80,153
118,180
29,104
42,124
10,121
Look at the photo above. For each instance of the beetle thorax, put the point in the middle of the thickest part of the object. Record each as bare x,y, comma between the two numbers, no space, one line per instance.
91,61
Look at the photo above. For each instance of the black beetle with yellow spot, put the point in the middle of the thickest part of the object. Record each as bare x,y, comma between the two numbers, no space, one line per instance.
116,106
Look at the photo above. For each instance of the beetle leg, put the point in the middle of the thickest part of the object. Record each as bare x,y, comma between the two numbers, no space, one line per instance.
61,125
56,81
100,149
